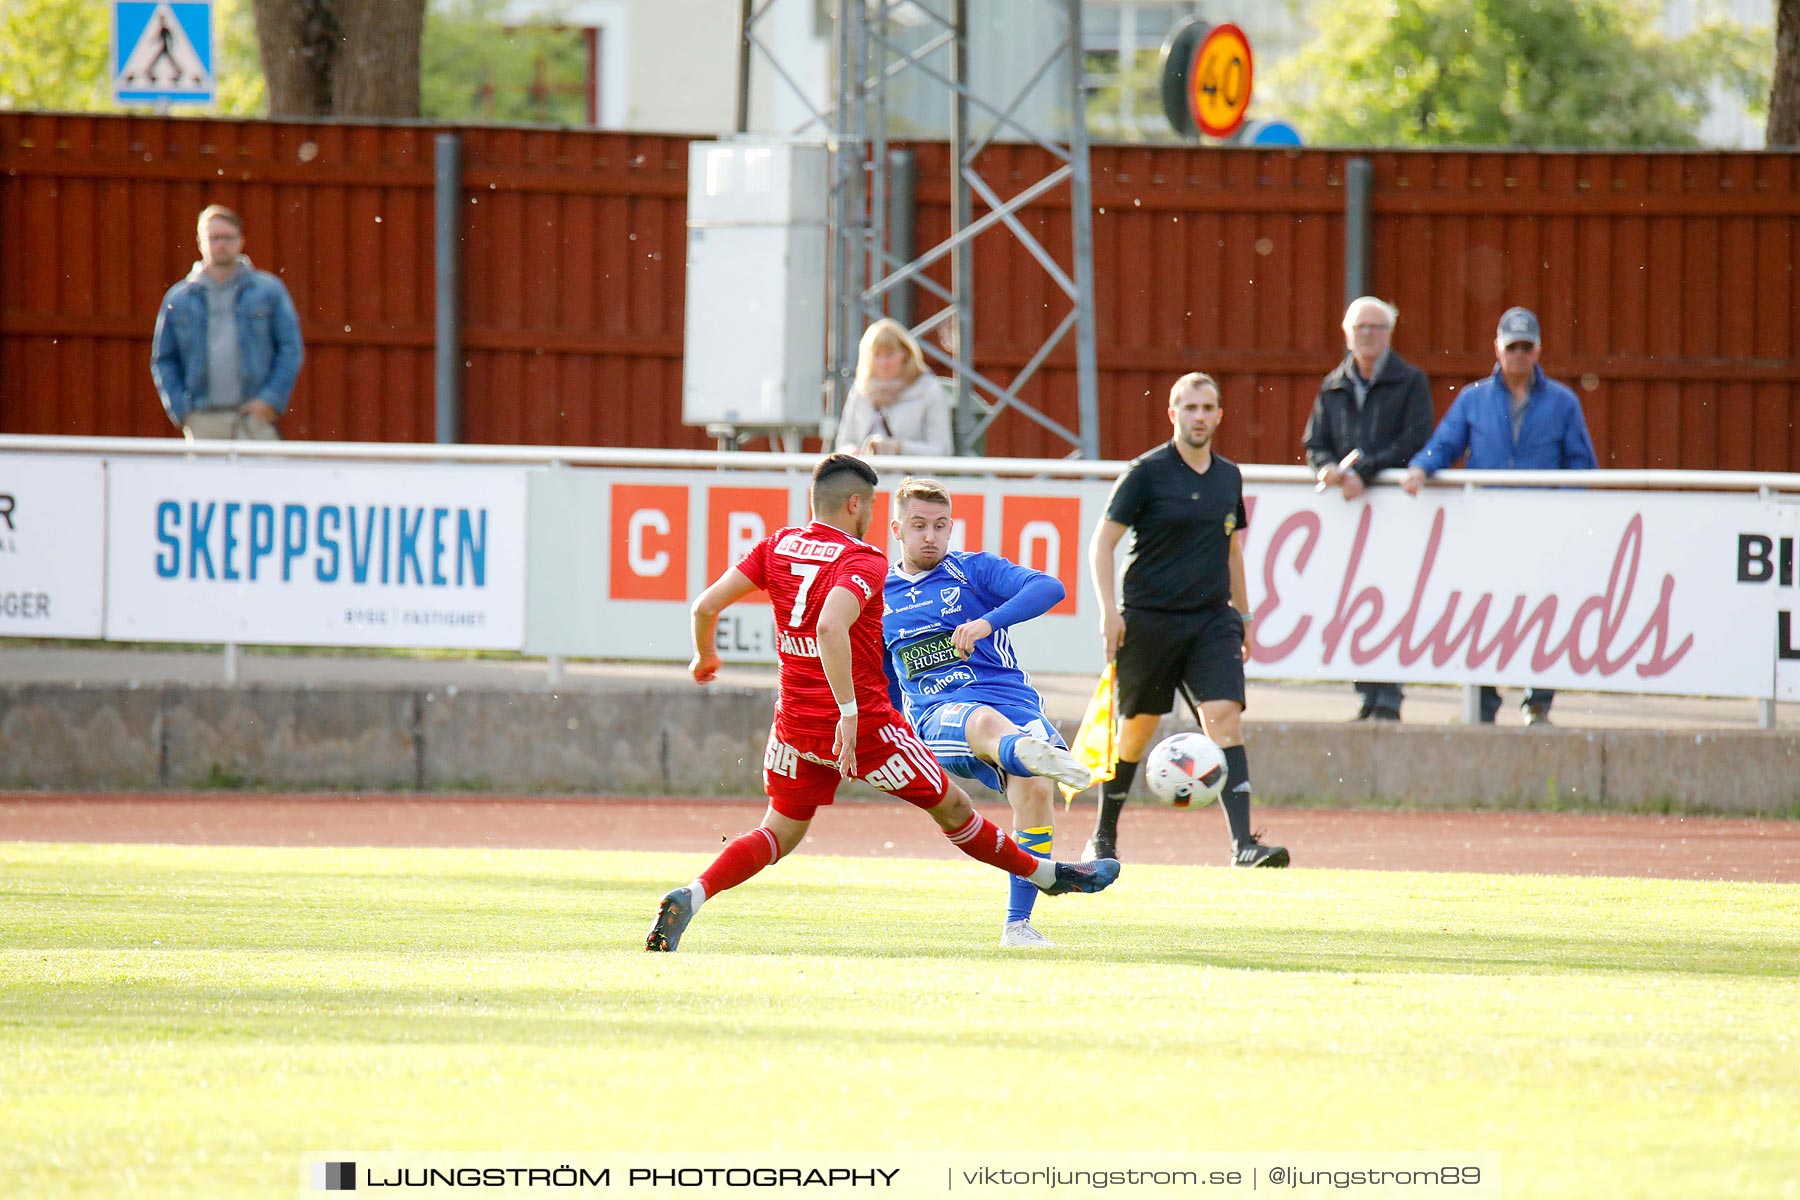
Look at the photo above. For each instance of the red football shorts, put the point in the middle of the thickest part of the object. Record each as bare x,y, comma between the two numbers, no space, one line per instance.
800,773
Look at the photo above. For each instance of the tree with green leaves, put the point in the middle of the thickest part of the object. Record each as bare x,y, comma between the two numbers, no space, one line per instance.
1504,73
479,65
54,57
471,63
58,57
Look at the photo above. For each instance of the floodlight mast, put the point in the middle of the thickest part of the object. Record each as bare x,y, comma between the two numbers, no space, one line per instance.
876,272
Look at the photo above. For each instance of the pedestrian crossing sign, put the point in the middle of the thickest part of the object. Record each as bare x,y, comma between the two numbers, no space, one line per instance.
163,51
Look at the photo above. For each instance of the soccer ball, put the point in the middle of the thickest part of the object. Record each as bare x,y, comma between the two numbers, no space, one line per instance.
1186,769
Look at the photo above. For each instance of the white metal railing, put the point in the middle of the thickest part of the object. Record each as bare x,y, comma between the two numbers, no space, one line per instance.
1073,468
1777,485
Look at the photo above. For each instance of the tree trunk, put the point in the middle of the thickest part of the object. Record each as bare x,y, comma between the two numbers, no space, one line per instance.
297,40
1784,91
341,58
377,66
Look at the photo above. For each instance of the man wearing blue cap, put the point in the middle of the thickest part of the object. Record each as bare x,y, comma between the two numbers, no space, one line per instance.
1517,419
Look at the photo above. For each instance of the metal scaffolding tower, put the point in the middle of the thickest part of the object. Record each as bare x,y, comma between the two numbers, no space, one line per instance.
874,265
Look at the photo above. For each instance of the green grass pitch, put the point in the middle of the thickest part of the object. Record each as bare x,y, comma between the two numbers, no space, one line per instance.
177,1015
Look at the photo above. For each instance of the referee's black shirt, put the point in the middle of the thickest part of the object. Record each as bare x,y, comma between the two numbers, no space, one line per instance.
1183,520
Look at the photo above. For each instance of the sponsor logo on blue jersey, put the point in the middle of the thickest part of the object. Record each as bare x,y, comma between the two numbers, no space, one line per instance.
913,601
927,654
937,685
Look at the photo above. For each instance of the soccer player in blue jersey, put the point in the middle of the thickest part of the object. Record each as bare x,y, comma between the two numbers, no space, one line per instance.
951,666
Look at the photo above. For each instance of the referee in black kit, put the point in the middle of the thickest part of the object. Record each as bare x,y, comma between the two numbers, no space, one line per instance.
1187,611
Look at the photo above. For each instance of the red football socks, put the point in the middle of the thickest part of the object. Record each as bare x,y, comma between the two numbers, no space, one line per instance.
984,841
744,857
979,838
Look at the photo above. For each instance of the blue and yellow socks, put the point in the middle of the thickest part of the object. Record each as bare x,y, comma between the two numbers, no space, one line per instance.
1021,893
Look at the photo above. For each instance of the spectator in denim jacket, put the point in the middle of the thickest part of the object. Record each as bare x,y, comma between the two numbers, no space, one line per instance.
227,345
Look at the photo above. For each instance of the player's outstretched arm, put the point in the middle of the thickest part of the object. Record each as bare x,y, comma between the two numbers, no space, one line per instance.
725,591
842,607
1027,593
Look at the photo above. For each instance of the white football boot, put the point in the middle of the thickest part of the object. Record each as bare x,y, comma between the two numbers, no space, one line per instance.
1052,762
1022,934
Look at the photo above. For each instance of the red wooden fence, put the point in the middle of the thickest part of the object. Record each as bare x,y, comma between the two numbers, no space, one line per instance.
1666,282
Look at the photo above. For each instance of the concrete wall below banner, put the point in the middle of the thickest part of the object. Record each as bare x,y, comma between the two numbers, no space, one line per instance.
669,741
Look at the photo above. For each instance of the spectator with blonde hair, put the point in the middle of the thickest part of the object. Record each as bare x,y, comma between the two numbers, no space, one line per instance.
896,405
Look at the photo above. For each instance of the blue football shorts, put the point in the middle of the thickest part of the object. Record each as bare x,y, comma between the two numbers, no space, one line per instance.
944,730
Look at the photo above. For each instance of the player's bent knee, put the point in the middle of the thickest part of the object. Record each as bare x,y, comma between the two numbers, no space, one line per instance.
954,810
789,832
985,728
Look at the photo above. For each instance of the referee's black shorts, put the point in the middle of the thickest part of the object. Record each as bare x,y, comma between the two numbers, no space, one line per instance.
1161,650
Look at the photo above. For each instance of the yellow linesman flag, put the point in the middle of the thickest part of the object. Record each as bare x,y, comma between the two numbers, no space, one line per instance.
1097,741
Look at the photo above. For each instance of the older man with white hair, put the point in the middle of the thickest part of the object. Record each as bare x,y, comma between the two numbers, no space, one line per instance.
1372,412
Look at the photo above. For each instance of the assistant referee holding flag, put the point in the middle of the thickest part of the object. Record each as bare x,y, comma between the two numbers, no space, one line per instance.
1186,619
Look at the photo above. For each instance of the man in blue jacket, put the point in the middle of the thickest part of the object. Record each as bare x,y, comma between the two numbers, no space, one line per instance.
1517,419
227,346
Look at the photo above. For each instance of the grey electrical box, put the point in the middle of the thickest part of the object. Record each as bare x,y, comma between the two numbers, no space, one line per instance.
755,340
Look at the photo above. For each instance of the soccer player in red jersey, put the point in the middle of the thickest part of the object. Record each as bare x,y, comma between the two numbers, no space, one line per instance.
833,718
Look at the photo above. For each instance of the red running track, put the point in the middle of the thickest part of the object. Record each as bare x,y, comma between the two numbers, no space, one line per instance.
1669,847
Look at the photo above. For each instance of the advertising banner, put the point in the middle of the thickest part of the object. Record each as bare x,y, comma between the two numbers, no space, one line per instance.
1605,591
52,546
618,556
1769,560
347,554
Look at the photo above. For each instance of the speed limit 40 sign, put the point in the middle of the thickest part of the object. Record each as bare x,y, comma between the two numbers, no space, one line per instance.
1219,81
